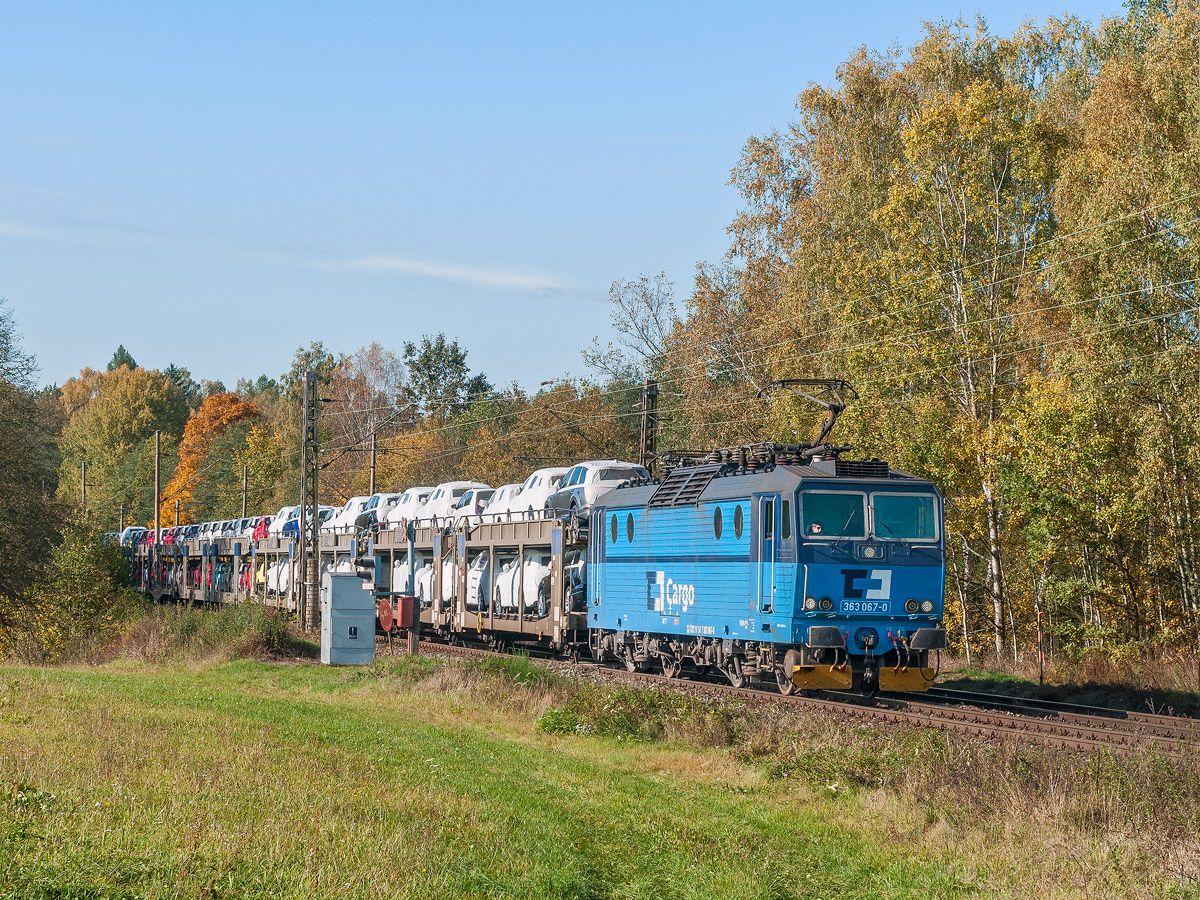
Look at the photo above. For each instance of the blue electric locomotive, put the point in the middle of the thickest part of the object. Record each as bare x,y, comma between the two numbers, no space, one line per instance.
776,562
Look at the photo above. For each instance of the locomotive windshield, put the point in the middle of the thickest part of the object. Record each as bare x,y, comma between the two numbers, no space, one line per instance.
906,517
829,514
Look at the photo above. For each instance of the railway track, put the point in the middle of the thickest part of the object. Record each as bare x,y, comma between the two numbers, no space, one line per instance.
1007,718
1132,721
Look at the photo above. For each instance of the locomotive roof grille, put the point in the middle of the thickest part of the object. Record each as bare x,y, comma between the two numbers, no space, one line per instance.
862,468
683,486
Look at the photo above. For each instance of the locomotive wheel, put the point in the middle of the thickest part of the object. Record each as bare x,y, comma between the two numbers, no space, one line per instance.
630,664
783,674
671,666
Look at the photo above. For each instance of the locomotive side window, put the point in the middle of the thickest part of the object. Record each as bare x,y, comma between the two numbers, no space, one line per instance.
717,523
737,521
785,527
768,519
908,517
629,528
834,514
615,532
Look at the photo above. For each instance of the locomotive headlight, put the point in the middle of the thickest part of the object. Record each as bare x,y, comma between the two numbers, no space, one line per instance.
926,606
826,604
911,606
870,552
810,603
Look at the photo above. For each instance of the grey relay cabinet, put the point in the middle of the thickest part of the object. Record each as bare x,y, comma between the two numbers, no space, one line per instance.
347,621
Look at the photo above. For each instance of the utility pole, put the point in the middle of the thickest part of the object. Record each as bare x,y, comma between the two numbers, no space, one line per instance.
373,451
121,519
649,439
157,501
302,521
312,464
245,487
83,484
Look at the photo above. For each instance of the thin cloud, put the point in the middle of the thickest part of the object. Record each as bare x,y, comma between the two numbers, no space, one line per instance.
32,232
479,276
489,277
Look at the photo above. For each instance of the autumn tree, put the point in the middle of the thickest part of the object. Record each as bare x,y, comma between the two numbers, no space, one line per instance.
208,463
110,420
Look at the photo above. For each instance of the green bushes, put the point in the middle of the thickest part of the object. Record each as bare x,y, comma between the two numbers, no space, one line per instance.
644,714
81,603
180,633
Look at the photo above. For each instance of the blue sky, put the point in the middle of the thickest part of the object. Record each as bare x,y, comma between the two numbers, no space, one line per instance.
214,184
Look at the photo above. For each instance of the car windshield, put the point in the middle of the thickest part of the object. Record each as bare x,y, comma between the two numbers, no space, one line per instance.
831,515
908,517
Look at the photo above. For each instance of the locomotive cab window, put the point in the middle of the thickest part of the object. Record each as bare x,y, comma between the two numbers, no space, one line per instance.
904,517
833,514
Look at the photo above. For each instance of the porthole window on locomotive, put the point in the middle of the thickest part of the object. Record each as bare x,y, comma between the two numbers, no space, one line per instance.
737,522
717,523
614,529
629,528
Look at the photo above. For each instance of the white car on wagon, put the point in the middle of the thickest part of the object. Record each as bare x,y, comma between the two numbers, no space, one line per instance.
408,507
502,505
586,482
537,487
443,499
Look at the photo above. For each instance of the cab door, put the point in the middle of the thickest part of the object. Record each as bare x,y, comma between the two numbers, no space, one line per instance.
766,526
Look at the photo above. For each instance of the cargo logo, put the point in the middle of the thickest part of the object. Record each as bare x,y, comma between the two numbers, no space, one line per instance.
663,594
864,584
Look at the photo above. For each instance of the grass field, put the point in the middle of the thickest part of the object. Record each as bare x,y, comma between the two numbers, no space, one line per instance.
431,778
252,779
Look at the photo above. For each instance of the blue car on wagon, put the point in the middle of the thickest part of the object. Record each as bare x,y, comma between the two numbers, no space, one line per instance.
778,562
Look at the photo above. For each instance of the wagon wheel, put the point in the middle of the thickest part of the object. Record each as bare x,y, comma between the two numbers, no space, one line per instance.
734,674
671,666
700,671
630,663
784,683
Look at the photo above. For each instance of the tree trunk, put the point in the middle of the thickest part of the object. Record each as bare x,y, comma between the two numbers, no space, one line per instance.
995,570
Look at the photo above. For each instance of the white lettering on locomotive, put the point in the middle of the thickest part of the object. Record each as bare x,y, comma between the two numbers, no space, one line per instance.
673,594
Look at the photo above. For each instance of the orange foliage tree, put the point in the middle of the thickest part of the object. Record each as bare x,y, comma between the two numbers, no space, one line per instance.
204,427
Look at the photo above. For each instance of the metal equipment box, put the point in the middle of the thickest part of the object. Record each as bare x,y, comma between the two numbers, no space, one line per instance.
347,621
